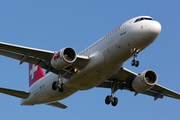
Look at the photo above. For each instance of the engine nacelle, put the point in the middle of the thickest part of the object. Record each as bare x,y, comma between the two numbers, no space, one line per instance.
64,58
144,81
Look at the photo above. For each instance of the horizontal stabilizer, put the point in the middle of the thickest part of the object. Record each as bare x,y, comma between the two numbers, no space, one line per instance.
57,104
16,93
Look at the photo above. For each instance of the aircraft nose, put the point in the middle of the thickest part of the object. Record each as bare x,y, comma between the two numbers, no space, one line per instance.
155,28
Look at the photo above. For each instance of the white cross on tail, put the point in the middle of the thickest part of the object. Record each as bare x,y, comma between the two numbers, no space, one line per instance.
34,69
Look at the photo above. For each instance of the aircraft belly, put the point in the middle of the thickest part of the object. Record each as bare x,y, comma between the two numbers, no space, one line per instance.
92,78
92,75
48,95
52,95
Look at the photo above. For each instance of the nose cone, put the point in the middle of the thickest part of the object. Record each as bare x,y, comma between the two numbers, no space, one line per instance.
155,28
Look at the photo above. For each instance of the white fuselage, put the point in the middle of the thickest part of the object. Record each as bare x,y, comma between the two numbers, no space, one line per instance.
107,56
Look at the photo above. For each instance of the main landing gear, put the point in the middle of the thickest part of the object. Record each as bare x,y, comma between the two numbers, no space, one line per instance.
134,62
111,99
58,85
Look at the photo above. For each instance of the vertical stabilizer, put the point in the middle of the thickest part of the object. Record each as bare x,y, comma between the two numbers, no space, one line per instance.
35,73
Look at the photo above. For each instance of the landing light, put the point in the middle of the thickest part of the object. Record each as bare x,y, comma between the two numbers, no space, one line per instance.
75,70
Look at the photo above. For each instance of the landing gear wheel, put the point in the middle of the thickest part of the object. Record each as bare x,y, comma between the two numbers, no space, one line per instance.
136,63
133,62
55,85
114,103
111,99
108,100
62,87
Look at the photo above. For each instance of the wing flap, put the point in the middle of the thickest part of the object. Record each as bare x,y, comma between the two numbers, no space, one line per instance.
43,54
19,57
167,92
57,104
11,55
16,93
151,93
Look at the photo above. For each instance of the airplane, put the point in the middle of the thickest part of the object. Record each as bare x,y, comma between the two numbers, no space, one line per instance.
99,65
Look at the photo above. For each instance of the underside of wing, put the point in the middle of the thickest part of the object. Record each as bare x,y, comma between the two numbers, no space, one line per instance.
124,78
16,93
165,91
42,54
41,58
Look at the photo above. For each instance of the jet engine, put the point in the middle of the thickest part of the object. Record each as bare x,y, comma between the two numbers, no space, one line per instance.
64,58
144,81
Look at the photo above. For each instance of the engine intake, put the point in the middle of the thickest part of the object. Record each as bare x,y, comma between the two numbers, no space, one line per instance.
64,58
144,81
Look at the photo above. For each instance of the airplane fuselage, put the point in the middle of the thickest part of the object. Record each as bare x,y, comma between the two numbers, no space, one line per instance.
107,56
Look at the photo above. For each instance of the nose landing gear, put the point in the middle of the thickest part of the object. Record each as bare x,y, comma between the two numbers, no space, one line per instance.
134,61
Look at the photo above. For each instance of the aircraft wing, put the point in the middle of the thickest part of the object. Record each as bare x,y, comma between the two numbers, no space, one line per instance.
125,77
38,57
16,93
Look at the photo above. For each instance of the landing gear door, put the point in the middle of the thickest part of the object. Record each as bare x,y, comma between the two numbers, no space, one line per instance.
123,29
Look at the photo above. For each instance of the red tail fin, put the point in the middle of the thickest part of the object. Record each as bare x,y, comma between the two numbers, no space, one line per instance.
35,73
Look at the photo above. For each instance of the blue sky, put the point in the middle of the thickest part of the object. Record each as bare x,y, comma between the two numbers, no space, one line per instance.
52,25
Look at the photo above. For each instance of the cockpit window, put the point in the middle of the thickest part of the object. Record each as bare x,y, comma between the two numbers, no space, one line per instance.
136,20
140,19
148,18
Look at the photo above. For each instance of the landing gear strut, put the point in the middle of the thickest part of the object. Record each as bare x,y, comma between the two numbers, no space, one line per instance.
111,99
58,85
134,61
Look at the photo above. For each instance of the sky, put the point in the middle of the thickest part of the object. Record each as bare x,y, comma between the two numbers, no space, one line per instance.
52,25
